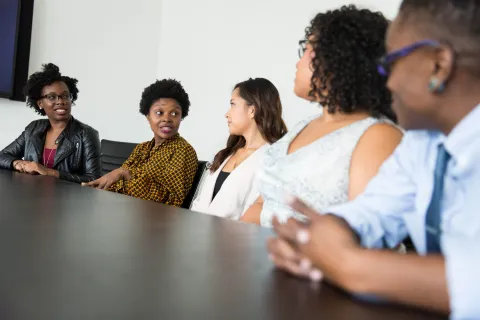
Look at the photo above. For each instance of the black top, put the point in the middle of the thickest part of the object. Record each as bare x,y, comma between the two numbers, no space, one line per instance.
70,252
220,180
77,158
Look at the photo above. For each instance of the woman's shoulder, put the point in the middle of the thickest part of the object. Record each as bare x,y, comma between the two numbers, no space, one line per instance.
371,126
381,134
144,145
379,126
303,123
37,124
290,135
183,143
84,128
181,146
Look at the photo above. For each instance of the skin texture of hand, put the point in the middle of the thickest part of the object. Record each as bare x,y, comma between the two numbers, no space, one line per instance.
34,168
324,241
109,179
327,243
287,257
19,165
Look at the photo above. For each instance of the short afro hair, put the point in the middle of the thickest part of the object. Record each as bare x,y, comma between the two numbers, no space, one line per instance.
166,88
347,43
50,73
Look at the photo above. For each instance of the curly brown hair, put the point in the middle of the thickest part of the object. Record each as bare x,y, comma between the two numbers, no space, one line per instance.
347,43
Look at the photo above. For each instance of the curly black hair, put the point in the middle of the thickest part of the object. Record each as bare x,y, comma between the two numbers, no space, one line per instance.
166,88
50,73
347,43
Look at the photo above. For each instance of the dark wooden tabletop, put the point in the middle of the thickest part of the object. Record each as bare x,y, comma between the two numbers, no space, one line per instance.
70,252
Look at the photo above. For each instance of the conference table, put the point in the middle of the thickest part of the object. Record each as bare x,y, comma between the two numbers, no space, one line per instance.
72,252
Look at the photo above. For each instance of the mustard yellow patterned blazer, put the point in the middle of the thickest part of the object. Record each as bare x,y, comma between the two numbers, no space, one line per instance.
161,173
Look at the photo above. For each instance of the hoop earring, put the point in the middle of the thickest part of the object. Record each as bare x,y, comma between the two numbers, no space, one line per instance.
435,86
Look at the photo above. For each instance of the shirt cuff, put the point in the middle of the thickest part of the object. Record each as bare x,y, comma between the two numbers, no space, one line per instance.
369,232
462,261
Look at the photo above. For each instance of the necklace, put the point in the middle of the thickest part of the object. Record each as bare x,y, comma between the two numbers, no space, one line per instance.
45,162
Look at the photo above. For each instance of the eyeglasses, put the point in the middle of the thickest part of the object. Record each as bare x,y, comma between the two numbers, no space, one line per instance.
66,97
385,63
302,47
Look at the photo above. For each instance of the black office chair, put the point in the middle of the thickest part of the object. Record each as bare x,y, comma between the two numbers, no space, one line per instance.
409,245
196,181
114,154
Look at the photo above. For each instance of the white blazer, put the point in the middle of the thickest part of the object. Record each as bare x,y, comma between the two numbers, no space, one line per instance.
236,194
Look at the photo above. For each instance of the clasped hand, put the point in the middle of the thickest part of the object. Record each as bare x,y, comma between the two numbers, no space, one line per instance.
322,247
30,167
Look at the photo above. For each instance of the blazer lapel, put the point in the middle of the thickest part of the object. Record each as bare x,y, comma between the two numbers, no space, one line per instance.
38,141
240,175
204,197
65,146
212,181
64,149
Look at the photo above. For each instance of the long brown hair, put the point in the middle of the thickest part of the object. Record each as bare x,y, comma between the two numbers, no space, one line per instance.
262,94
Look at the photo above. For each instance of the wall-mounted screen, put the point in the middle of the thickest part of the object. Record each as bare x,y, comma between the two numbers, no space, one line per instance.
15,35
9,21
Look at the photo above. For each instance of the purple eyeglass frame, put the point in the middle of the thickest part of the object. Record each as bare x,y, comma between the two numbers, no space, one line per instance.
386,61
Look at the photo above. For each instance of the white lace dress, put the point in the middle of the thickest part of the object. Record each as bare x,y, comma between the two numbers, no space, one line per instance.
317,173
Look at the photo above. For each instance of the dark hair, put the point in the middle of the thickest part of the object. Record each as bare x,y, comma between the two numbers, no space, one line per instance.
166,88
347,43
264,96
452,22
50,73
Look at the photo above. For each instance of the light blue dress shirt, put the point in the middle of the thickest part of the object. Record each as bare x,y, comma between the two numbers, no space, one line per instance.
395,202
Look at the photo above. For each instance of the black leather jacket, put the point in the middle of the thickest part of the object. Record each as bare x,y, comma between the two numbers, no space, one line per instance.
78,151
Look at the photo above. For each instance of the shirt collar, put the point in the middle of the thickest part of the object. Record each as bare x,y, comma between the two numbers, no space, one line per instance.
152,142
459,142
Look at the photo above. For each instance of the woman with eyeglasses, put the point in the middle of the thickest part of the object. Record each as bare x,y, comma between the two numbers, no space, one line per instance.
59,146
428,189
328,159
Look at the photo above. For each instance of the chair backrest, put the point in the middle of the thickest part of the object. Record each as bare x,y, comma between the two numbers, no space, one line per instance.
196,181
114,154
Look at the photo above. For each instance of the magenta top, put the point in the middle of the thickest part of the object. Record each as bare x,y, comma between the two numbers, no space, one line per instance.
49,157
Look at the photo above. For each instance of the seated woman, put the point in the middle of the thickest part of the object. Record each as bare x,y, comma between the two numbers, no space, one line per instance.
254,121
59,146
328,159
163,168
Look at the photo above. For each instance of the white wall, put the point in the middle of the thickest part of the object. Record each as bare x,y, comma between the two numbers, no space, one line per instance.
116,48
217,43
110,47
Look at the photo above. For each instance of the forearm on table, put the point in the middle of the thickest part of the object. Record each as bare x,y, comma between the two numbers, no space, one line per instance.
404,278
53,173
252,215
13,162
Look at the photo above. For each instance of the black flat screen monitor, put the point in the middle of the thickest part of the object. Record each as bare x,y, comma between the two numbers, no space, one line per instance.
15,36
